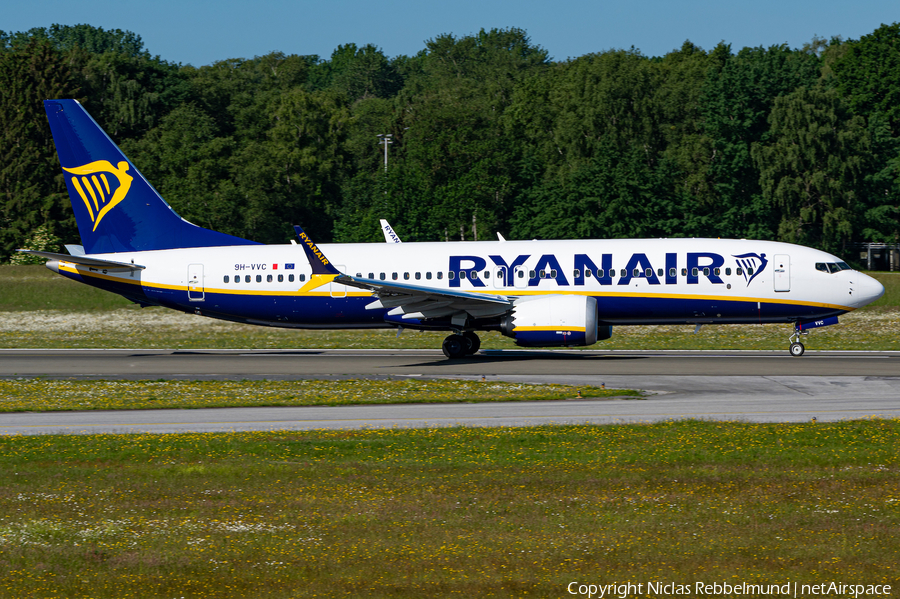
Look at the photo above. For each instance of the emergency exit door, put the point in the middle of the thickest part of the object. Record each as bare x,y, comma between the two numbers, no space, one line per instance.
195,283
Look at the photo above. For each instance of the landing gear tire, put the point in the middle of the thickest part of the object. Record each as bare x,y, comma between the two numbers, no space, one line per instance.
455,347
473,343
797,349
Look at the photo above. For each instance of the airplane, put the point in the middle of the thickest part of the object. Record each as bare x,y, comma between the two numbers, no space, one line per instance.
541,293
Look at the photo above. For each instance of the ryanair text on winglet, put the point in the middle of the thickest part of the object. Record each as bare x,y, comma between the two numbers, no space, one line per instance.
313,248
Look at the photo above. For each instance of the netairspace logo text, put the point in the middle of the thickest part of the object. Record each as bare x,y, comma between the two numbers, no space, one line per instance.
624,590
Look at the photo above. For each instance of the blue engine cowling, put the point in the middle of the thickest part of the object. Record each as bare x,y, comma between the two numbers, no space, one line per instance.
554,321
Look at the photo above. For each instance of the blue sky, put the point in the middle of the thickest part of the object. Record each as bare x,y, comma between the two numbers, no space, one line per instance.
200,32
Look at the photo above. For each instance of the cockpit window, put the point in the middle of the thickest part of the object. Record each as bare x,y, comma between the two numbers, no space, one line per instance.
832,267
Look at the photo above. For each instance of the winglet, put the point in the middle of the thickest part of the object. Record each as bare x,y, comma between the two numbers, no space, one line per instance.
320,264
390,235
322,270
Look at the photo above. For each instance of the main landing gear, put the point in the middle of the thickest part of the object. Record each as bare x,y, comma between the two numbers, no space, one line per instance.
458,346
797,348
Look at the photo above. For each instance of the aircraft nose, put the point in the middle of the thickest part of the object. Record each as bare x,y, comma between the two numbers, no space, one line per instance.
866,290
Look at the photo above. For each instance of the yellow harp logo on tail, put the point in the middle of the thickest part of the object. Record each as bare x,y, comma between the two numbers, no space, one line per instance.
92,184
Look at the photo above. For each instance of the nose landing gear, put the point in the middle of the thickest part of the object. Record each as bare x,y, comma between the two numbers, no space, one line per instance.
797,348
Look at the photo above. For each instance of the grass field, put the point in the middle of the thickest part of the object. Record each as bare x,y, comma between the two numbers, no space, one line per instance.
41,309
38,395
448,512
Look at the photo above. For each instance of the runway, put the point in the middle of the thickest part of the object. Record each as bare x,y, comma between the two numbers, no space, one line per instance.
751,386
319,363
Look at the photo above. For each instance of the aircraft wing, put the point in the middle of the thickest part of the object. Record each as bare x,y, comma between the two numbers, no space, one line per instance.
416,301
410,301
85,261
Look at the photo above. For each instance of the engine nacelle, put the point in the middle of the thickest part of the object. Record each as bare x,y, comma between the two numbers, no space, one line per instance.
554,320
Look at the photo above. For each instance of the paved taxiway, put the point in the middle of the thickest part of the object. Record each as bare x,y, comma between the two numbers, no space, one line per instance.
754,386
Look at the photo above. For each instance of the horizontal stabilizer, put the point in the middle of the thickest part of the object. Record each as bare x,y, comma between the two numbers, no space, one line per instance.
85,261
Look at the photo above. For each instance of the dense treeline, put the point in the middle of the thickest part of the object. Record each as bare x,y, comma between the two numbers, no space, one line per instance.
489,134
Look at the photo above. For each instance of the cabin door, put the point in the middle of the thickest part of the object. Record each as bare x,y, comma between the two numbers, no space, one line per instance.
782,263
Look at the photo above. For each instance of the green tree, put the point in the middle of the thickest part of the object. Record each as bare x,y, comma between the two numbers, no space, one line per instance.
95,40
293,176
452,159
868,74
736,100
32,191
188,162
359,73
812,167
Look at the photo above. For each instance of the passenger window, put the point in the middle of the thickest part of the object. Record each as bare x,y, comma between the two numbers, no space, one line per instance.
532,274
428,275
673,273
418,276
237,278
695,271
487,275
577,273
406,276
636,273
553,274
821,266
451,275
395,276
259,278
739,271
648,272
371,275
462,274
473,274
543,274
499,274
440,275
268,278
247,278
291,278
301,278
624,273
382,276
749,271
281,278
683,272
728,272
520,274
601,272
659,272
717,272
706,272
226,278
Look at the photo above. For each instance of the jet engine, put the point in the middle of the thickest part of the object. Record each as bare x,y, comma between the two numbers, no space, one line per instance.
554,320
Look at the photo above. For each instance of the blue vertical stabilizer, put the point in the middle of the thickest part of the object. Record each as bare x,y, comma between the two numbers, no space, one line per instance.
117,210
